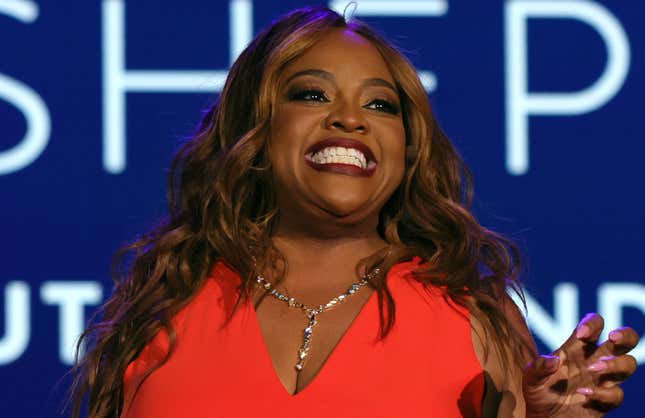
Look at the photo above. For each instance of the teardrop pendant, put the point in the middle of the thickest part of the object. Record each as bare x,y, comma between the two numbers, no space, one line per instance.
306,340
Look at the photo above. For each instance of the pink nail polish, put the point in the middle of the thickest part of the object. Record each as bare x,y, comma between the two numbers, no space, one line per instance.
598,366
585,391
551,362
582,331
615,336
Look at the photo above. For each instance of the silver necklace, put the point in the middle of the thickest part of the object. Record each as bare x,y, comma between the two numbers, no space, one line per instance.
312,312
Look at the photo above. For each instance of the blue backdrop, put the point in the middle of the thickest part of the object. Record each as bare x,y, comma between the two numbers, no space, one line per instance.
543,98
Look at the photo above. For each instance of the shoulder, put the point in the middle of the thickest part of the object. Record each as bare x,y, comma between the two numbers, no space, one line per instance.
214,299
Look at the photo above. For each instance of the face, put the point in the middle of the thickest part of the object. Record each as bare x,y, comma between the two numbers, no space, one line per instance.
337,143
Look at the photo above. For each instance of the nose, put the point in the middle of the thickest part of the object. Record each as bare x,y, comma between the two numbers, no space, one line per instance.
346,117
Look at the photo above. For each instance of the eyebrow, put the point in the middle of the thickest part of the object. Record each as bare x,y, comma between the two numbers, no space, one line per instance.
326,75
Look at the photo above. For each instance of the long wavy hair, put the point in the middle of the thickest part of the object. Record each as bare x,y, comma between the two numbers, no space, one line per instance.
222,207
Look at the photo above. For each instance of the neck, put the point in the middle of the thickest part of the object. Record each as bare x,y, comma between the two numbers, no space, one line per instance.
313,260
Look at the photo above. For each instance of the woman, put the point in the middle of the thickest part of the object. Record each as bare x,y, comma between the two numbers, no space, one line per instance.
320,258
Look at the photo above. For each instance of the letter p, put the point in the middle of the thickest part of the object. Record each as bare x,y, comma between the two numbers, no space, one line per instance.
520,103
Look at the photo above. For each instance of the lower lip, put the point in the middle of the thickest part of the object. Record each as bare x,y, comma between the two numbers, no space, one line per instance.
347,169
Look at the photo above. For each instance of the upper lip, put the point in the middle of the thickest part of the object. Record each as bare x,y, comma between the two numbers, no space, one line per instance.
342,142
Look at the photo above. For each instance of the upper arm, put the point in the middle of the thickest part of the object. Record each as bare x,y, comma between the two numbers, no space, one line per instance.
506,378
514,315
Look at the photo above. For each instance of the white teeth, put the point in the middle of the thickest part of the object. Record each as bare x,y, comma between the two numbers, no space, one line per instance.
340,155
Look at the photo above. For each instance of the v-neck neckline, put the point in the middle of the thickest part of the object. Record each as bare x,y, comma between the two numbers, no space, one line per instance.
323,371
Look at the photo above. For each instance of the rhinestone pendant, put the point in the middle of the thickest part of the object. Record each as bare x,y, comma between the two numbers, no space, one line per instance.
306,340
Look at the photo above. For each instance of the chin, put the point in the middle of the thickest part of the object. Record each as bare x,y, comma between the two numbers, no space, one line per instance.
344,207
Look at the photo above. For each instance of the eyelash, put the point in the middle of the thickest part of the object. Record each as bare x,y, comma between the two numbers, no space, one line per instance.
318,95
385,106
308,94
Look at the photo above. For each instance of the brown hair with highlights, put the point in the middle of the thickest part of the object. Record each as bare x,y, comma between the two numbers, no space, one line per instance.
222,207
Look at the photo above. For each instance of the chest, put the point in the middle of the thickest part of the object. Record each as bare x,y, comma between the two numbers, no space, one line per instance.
300,343
425,367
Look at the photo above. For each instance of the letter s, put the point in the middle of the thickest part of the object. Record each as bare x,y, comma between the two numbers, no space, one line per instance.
26,100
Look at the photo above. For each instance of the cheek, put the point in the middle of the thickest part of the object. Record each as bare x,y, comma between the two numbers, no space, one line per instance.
395,146
290,129
282,138
279,130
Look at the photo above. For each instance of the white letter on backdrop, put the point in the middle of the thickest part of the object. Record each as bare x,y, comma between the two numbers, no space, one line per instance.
71,296
400,8
17,327
25,99
520,103
553,331
118,80
612,298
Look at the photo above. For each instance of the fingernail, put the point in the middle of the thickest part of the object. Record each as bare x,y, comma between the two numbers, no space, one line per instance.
551,362
582,331
615,336
598,366
585,391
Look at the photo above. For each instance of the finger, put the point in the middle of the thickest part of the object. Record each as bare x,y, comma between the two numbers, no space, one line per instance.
612,369
603,399
538,371
589,328
622,340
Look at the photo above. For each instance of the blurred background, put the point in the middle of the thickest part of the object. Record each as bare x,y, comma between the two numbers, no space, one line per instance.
544,99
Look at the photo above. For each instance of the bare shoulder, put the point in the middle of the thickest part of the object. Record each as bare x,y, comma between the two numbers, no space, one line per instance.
503,395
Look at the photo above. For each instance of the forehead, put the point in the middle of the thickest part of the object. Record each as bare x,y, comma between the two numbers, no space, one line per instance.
342,52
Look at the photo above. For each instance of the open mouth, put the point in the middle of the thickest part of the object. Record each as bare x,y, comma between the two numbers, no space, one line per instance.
342,155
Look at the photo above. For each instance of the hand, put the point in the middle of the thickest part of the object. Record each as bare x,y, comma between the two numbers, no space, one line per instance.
581,378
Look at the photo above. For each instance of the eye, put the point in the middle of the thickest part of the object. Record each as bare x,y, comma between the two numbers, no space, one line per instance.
309,95
383,106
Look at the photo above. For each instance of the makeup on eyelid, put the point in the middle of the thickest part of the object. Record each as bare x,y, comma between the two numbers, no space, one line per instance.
386,105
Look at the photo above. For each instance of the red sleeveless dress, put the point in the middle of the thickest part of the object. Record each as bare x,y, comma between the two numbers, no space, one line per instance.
425,367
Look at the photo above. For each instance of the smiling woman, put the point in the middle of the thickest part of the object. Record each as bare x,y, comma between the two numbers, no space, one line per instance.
320,258
337,103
